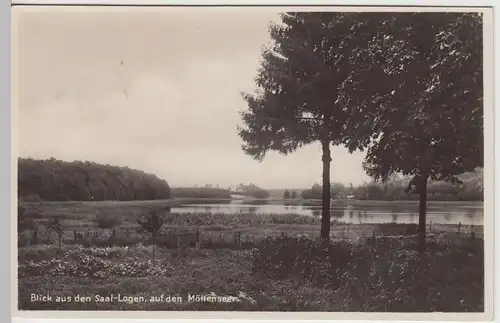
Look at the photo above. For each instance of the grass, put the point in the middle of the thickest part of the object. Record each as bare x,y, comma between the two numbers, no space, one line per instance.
274,268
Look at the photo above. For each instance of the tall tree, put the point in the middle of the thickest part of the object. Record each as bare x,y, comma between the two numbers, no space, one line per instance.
300,86
429,124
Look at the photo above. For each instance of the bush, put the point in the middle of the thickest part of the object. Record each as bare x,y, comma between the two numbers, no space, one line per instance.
105,221
320,262
395,279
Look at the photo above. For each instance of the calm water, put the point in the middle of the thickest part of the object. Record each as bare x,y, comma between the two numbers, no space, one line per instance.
377,212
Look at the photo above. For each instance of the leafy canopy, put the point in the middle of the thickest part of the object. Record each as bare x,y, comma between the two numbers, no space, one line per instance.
303,93
431,123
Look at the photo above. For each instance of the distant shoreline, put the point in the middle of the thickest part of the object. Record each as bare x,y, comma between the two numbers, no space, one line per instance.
174,202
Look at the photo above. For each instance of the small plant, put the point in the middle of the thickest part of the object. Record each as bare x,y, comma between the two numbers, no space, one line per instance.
151,223
55,225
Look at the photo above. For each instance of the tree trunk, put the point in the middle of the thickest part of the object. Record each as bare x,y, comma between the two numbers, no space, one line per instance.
422,214
325,211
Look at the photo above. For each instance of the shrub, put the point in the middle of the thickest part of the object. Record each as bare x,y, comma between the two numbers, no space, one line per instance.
401,281
105,221
310,259
109,222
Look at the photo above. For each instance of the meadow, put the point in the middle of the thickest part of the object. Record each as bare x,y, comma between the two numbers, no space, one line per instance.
242,261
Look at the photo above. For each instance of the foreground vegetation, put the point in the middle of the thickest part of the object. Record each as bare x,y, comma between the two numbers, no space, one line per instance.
258,262
279,274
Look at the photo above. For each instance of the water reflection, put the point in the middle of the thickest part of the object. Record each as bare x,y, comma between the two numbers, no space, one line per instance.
375,213
257,202
337,213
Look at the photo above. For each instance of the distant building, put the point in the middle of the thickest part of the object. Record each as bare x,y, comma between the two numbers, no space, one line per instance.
239,197
343,196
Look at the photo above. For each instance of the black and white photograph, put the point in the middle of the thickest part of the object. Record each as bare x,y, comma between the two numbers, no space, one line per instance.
253,159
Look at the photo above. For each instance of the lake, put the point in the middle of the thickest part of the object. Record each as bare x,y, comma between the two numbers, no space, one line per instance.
366,212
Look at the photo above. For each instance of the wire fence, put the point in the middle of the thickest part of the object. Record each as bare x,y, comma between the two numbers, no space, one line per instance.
234,238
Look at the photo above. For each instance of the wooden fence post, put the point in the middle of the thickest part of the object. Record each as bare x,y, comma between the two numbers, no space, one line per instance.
374,242
430,227
472,233
254,267
198,243
178,242
35,234
75,236
91,240
459,225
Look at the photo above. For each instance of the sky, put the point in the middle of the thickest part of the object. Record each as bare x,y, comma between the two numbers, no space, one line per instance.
152,89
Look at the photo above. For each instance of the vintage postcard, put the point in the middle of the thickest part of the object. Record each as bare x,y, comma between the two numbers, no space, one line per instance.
258,162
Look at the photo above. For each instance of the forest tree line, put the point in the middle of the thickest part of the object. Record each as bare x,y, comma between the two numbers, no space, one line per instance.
56,180
470,189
